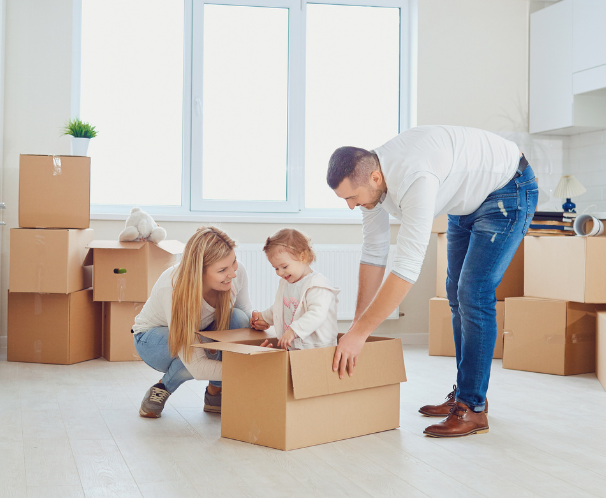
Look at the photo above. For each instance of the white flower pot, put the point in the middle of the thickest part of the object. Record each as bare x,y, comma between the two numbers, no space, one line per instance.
79,146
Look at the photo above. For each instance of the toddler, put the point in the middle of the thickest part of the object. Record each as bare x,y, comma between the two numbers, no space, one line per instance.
304,313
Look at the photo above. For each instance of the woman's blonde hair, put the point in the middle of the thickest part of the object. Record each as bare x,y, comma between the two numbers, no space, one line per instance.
207,246
291,241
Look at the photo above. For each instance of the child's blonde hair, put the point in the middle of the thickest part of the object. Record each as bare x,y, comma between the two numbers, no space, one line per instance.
291,241
207,246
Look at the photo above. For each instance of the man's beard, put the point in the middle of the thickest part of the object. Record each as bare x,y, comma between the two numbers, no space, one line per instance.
375,194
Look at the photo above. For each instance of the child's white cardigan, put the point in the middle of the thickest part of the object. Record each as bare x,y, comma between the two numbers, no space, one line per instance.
325,334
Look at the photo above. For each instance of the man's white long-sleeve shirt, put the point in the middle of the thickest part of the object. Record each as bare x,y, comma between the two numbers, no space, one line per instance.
430,171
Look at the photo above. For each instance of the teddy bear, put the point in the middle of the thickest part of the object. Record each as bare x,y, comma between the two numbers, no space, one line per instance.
141,226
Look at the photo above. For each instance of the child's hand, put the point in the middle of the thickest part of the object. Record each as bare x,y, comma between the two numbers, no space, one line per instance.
286,339
267,344
257,323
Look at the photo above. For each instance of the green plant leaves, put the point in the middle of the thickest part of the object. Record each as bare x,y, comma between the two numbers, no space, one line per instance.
76,128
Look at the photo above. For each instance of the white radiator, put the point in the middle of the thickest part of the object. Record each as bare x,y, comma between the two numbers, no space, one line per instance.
340,263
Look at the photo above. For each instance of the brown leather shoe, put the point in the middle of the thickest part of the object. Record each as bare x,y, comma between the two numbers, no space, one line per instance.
461,421
444,409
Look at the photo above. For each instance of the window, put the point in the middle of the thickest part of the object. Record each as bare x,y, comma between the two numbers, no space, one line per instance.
236,106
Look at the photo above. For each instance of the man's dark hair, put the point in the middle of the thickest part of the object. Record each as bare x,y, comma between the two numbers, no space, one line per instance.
353,163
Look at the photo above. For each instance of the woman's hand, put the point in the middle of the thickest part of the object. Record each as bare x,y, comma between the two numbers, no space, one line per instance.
257,323
286,339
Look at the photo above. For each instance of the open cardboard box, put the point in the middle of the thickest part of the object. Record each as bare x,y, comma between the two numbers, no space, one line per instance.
127,271
293,399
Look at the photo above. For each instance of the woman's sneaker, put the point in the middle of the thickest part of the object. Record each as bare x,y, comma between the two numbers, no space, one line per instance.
212,402
154,401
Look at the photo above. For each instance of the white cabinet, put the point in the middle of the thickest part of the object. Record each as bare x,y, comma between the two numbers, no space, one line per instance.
589,34
565,36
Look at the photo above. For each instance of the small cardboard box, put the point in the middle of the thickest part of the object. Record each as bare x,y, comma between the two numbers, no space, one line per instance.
550,336
512,284
600,348
49,261
54,191
566,268
440,224
118,320
53,328
292,399
127,271
441,340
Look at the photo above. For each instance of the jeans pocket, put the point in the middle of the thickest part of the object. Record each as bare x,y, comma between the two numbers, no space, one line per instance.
497,214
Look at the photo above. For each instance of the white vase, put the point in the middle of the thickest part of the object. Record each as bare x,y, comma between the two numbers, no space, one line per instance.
79,146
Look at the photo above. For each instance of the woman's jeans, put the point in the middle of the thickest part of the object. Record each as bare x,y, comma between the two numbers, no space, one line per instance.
480,247
152,347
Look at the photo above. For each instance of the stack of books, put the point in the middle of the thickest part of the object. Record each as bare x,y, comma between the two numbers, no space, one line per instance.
555,223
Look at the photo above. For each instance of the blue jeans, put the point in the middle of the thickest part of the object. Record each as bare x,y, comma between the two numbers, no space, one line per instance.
480,247
152,347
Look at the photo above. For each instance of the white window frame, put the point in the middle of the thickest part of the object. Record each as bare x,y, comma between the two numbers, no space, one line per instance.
194,207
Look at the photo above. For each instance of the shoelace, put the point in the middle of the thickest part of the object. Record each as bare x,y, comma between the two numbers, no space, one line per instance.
158,395
451,396
456,410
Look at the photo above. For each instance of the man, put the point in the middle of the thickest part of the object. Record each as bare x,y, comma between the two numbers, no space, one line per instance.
485,185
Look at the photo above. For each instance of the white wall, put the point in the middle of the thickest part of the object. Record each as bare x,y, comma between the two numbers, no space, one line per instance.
473,71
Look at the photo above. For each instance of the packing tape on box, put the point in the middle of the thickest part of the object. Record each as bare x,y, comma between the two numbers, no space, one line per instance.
583,337
556,339
121,287
586,225
38,351
40,248
37,304
56,165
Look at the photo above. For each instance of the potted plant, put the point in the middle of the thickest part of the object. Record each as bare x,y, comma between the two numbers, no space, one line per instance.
81,134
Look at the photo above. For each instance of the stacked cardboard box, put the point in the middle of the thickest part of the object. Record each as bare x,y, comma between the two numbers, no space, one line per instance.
51,314
125,273
441,342
552,329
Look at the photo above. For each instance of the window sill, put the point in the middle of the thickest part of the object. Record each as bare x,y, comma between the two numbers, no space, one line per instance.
311,217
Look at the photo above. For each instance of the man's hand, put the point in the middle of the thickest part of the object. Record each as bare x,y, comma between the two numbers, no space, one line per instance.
348,350
286,339
257,323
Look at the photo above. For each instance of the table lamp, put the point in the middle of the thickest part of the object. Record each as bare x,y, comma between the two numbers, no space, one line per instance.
567,188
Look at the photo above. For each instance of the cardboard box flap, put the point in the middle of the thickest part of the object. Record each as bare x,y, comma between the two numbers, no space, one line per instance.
381,363
109,244
233,347
172,246
235,335
115,244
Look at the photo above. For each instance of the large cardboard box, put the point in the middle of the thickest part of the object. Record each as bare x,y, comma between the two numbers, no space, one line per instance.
54,191
53,328
127,271
600,348
49,261
512,284
440,224
550,336
118,320
441,340
566,268
292,399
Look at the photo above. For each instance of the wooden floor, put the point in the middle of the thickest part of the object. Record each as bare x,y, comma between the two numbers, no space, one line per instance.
73,431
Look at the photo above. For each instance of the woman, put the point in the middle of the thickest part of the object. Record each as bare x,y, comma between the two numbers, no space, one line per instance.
206,290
